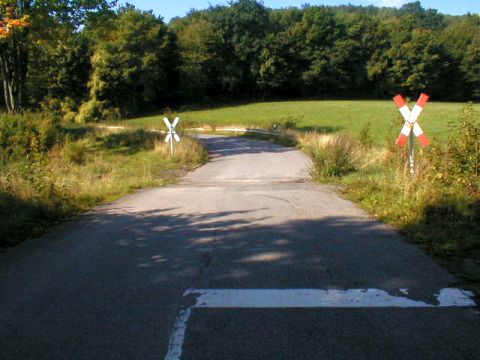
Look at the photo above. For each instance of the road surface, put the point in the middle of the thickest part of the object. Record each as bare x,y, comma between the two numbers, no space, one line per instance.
313,277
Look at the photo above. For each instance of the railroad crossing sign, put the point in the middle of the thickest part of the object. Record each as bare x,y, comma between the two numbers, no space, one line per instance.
411,126
411,118
171,132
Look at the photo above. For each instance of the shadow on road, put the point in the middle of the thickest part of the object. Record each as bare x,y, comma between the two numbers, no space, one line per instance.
114,285
236,145
241,249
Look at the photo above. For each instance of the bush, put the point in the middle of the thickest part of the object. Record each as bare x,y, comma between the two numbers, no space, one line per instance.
95,110
459,161
290,123
75,152
365,136
335,156
26,134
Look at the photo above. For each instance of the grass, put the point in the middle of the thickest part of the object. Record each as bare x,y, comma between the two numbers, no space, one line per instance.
88,167
324,116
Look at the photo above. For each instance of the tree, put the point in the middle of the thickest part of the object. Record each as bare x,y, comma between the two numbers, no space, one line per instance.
196,40
242,29
16,16
470,67
59,70
133,66
459,43
13,53
281,62
317,33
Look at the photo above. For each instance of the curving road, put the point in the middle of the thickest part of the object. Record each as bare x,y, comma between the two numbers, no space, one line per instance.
111,286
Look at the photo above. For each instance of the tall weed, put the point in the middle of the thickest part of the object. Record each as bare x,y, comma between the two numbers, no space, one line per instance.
333,156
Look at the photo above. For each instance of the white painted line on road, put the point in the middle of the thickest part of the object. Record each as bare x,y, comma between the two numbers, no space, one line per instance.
178,335
316,298
304,298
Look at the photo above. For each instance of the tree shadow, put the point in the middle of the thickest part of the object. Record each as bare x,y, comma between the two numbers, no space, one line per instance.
20,219
224,146
238,249
130,142
124,270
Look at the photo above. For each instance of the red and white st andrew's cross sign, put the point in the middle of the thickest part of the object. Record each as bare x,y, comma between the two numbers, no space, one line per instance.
411,118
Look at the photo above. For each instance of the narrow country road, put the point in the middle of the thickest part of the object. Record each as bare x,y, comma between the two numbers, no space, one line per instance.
277,267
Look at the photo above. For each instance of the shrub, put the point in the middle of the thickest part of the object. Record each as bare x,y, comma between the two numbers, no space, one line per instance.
75,152
365,136
334,156
95,110
22,135
459,161
290,123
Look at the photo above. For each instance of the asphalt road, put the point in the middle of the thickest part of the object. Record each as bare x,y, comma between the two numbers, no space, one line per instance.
111,285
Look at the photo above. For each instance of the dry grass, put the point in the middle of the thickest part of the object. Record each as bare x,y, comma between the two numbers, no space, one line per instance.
187,150
82,172
333,155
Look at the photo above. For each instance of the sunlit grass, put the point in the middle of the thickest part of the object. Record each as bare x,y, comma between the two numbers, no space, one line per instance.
326,116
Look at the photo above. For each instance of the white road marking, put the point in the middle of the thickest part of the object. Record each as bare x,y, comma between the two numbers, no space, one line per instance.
304,298
315,298
178,335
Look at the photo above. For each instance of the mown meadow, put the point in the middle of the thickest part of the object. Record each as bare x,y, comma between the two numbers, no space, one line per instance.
352,116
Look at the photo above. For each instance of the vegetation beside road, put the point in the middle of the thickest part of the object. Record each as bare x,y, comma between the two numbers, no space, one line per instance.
49,171
438,208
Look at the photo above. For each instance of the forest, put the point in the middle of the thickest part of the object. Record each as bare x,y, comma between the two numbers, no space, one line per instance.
92,60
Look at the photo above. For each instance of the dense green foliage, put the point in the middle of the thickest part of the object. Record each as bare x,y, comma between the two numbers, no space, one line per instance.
25,136
127,62
132,66
24,24
248,50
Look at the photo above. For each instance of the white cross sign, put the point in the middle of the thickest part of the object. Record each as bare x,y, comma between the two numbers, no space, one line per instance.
171,130
411,118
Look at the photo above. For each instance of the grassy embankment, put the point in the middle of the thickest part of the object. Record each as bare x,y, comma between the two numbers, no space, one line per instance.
352,143
49,171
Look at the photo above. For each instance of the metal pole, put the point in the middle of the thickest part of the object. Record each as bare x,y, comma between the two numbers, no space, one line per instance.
412,153
171,142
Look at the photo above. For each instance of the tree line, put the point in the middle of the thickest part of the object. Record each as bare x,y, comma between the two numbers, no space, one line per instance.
90,60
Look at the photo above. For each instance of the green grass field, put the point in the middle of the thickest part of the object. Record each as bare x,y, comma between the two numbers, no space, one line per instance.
328,116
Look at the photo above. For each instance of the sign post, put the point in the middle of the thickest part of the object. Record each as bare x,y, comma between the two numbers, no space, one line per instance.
411,126
172,134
